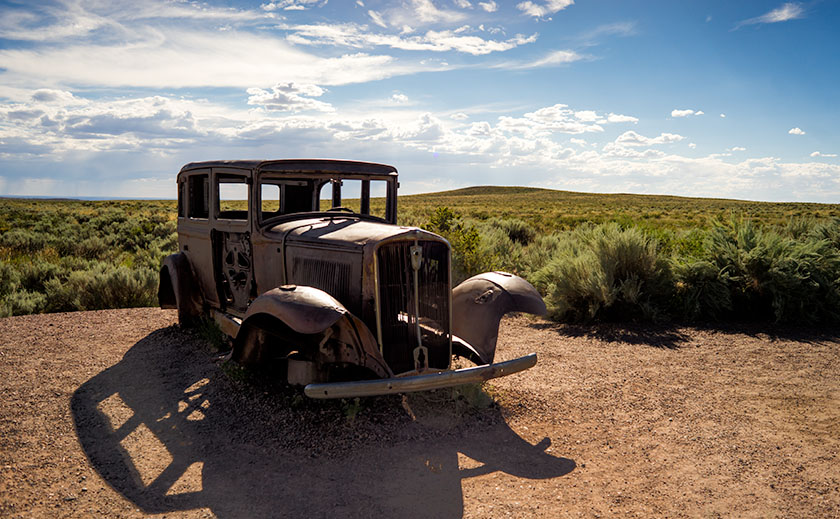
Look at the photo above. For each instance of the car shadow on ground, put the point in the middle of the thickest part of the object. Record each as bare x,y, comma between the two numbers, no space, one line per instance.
171,430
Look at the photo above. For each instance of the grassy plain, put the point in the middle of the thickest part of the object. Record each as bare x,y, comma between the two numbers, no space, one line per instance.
551,210
593,256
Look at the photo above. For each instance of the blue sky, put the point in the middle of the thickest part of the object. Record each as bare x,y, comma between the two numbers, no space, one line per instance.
717,99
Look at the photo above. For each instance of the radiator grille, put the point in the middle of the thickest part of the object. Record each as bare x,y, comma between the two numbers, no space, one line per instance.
331,277
396,303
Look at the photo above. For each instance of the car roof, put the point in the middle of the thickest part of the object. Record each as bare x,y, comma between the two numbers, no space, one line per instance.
298,166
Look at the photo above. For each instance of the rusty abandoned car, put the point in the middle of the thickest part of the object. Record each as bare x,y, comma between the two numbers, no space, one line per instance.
348,302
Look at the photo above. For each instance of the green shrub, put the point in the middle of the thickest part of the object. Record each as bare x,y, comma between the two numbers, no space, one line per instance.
788,276
22,302
701,291
606,272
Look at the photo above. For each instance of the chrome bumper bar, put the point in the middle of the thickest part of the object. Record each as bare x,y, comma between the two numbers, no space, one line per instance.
438,380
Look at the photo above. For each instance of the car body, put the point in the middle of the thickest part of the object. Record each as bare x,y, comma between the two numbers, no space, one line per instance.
349,302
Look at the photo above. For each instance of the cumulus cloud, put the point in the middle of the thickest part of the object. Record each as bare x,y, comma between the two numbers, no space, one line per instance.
490,6
171,131
827,155
796,131
289,97
399,98
542,9
619,118
459,116
723,116
788,11
685,113
631,138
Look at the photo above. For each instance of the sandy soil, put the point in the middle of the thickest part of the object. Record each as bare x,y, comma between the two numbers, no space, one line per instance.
122,414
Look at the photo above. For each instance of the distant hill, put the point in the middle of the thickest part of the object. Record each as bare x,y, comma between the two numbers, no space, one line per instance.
553,209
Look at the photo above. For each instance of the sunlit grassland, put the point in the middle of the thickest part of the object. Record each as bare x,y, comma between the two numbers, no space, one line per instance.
593,256
551,210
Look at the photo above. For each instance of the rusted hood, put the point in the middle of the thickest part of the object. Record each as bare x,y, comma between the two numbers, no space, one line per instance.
344,230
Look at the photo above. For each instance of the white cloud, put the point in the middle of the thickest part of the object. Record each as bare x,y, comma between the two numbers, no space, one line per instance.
180,59
422,12
827,155
692,145
685,113
796,131
351,35
459,116
157,134
290,5
463,4
399,98
631,138
618,118
552,59
788,11
723,116
490,6
377,19
737,148
539,10
289,97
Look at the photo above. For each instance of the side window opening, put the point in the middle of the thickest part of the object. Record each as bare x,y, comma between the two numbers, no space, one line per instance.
279,197
232,202
198,187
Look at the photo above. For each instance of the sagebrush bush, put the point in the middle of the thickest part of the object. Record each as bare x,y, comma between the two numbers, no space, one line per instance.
788,275
606,272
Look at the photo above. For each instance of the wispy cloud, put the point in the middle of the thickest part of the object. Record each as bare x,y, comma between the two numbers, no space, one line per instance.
543,9
788,11
357,36
827,155
552,59
685,112
291,5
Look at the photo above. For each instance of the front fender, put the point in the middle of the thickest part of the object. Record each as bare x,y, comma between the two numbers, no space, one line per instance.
177,288
479,303
317,322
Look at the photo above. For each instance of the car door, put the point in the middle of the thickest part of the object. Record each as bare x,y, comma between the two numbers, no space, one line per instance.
231,239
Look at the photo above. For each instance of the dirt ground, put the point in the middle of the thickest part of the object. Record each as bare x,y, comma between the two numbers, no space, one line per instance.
122,414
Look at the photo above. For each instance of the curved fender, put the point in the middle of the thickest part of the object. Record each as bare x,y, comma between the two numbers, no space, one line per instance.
304,309
479,303
177,289
342,337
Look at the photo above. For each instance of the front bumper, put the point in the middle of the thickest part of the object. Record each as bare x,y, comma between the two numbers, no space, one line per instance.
438,380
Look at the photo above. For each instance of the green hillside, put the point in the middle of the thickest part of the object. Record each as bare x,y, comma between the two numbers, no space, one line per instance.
549,209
